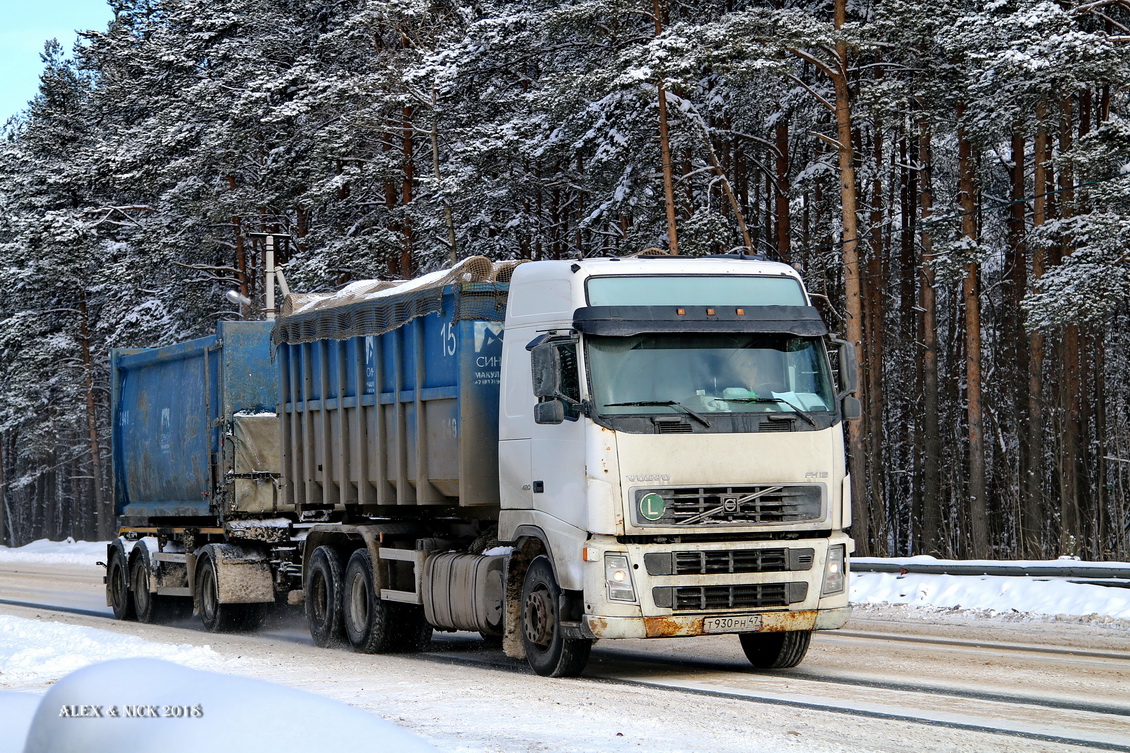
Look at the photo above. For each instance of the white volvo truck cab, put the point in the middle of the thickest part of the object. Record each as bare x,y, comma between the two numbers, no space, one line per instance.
672,440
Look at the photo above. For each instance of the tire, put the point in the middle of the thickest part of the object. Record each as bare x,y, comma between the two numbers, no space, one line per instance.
117,587
368,621
147,606
217,617
323,587
775,650
549,653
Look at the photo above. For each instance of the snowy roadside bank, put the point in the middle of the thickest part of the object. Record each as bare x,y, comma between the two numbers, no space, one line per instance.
43,551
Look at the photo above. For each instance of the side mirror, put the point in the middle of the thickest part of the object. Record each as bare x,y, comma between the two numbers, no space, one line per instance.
849,368
851,408
545,360
549,412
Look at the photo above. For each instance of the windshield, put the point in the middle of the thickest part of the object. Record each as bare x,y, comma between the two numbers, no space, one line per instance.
747,373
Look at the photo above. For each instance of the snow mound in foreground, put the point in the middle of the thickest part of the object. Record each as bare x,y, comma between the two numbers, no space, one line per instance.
16,709
100,708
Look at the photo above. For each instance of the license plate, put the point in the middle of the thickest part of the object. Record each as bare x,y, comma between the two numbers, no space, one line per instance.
746,624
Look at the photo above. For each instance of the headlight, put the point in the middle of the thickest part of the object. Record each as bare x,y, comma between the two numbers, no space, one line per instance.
835,577
618,575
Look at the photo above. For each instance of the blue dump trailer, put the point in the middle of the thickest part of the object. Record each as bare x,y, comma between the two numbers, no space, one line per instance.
408,417
545,453
173,409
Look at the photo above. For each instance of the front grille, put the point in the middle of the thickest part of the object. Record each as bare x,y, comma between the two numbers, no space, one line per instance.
714,598
734,561
728,505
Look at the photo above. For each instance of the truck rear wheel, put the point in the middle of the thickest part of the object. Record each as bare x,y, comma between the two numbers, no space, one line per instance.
117,587
368,621
548,651
775,650
323,597
147,606
217,617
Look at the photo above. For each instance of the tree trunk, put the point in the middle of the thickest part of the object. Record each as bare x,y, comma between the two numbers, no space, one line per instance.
971,297
853,301
1071,539
240,251
448,217
1027,522
874,286
927,302
665,151
390,196
784,230
105,515
1034,487
406,265
908,342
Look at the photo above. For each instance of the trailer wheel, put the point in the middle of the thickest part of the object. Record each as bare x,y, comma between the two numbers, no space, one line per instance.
323,597
776,650
548,651
147,606
370,623
117,587
217,617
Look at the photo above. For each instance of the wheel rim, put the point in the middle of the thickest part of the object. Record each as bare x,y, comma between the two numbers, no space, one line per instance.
539,621
358,612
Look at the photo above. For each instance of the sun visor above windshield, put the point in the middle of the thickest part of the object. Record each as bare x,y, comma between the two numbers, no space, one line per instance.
623,321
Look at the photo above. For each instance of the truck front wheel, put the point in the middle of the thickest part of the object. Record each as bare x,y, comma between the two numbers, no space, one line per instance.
776,650
323,597
548,651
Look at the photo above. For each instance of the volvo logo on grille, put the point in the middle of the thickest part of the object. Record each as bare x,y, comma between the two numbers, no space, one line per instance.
731,503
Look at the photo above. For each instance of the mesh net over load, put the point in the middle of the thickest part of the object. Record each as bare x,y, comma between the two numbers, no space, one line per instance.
373,307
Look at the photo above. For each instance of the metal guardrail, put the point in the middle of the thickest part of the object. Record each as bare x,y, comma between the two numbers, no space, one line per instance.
1066,570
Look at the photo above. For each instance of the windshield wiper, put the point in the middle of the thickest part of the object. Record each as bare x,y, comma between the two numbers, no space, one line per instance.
672,403
795,409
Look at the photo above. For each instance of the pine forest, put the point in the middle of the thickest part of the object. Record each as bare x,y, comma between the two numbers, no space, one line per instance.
952,180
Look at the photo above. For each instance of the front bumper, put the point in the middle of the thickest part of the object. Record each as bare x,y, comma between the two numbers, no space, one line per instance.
680,626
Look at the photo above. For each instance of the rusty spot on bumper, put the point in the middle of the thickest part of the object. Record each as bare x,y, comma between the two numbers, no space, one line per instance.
597,625
669,627
786,622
